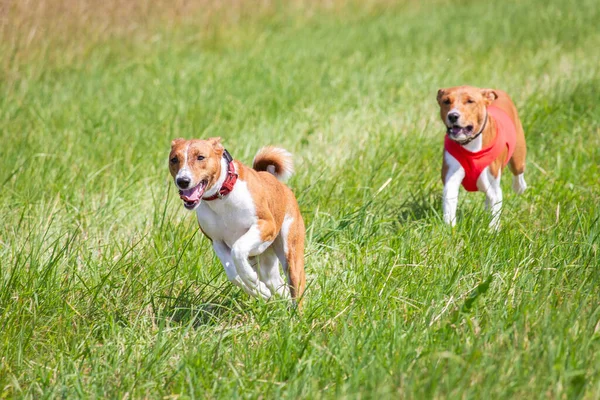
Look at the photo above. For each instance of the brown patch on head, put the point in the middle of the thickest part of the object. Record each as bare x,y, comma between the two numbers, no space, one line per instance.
216,143
200,158
440,94
489,95
467,103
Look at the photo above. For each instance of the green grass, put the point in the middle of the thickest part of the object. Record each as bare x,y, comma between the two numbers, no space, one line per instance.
108,289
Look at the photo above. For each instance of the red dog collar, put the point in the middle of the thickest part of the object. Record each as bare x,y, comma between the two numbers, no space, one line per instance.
229,182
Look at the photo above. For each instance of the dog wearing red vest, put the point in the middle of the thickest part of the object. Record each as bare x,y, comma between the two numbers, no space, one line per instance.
483,135
250,216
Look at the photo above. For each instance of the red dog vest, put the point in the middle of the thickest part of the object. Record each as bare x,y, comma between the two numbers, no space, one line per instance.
475,163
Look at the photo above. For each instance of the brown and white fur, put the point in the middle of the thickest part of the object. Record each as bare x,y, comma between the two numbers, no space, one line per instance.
253,228
463,110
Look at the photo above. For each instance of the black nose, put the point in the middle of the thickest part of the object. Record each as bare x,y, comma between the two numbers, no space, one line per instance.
453,117
183,182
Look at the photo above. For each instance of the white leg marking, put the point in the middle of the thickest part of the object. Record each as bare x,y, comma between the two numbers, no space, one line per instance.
224,254
281,246
250,244
185,171
268,272
454,177
490,185
518,184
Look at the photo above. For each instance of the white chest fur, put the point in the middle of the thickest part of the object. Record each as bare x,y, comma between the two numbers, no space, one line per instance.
227,219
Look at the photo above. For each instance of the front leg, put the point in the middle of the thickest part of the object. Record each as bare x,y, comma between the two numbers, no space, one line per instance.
224,253
453,174
490,185
496,209
253,243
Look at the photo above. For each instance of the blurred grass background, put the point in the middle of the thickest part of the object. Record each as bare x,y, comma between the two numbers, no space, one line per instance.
107,289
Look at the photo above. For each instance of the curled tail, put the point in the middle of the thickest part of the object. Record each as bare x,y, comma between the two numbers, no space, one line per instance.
274,160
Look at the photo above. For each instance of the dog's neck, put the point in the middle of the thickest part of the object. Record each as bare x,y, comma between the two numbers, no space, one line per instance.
219,183
485,138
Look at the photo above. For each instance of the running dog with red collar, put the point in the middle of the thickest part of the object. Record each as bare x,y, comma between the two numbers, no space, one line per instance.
252,219
483,135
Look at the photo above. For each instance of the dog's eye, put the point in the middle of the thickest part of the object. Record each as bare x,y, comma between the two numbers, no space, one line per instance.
200,158
470,101
174,160
447,101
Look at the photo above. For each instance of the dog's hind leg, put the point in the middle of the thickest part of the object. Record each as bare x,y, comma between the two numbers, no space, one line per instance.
517,161
289,247
268,272
518,184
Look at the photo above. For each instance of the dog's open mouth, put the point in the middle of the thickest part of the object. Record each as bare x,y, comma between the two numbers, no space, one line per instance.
455,131
192,197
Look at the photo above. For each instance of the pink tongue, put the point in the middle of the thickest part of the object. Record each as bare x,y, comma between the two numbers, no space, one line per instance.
456,130
193,194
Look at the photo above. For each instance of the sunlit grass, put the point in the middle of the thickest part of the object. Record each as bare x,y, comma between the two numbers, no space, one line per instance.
108,289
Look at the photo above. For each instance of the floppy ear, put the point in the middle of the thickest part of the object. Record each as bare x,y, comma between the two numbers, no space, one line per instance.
175,142
216,144
441,92
489,95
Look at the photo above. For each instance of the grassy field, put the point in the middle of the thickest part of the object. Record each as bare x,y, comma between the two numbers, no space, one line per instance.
108,289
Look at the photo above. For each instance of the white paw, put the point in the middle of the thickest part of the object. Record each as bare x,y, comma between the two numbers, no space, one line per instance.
450,221
495,225
519,185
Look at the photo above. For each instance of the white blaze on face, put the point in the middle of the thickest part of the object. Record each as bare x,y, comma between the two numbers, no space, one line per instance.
185,171
453,111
